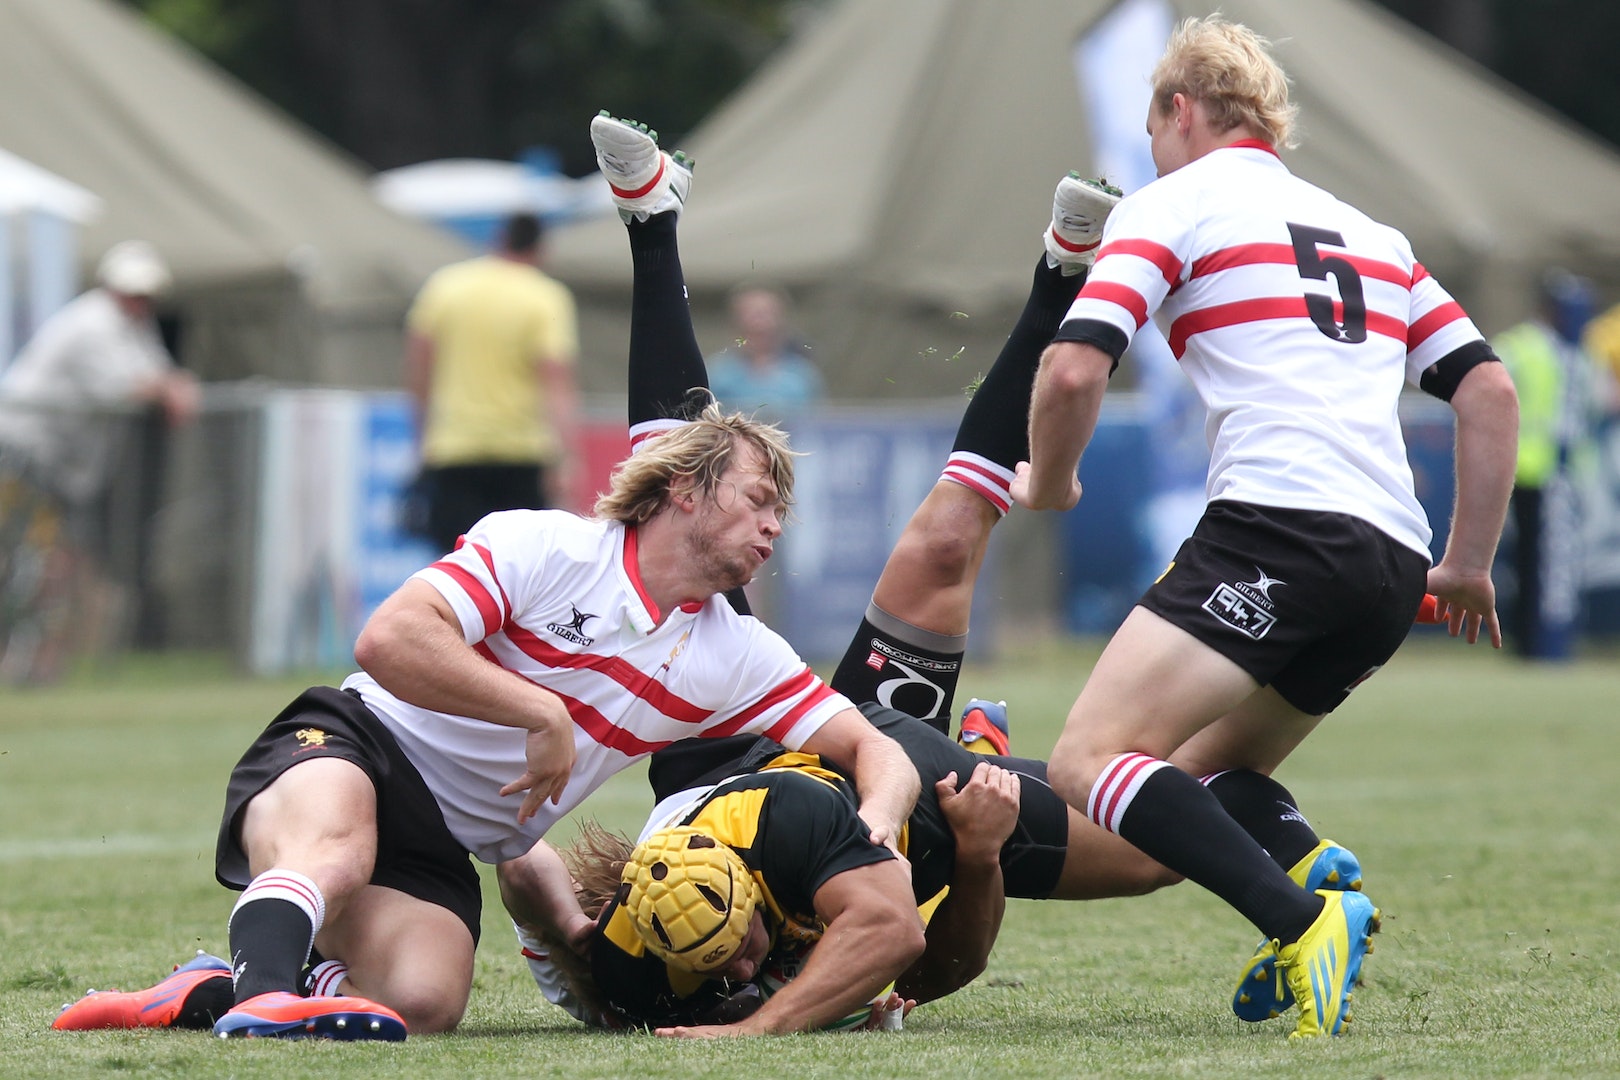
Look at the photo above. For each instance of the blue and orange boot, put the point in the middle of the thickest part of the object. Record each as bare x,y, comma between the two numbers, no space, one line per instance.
158,1006
283,1015
984,727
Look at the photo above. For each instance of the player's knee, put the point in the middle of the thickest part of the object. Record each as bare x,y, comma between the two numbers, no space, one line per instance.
1146,876
427,1012
1070,779
948,553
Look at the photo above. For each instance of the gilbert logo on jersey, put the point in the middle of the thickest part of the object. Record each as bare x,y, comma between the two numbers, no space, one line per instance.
1246,606
574,629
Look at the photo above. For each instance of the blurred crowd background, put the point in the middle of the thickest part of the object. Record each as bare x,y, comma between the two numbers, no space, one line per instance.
872,176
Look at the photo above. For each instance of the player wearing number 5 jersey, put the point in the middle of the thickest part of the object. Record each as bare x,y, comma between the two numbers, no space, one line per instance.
1299,320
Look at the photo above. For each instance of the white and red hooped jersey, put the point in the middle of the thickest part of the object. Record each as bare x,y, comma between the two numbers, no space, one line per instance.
558,599
1298,318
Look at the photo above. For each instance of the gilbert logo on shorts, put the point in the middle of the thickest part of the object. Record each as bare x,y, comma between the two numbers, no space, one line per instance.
1245,606
574,629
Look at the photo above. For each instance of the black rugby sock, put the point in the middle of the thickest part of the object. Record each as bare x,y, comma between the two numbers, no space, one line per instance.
666,364
995,424
1177,821
270,940
208,1001
1268,812
904,667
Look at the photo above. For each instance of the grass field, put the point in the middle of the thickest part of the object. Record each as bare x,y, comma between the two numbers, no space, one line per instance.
1478,792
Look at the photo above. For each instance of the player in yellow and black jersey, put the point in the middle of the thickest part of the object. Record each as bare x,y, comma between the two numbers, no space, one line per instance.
791,822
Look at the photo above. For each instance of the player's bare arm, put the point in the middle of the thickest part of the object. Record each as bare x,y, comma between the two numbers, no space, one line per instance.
1487,408
885,778
873,934
982,816
412,646
539,894
1063,412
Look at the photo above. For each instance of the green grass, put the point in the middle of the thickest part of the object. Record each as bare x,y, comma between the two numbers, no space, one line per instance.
1477,791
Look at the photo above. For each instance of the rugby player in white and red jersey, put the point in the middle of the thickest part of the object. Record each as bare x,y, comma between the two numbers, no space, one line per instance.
1299,320
499,687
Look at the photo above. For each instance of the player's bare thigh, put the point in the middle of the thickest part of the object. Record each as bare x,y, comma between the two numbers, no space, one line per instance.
1257,735
320,819
413,956
1154,687
928,579
1099,864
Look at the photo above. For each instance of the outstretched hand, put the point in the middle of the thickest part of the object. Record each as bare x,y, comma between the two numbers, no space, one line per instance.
1467,602
548,754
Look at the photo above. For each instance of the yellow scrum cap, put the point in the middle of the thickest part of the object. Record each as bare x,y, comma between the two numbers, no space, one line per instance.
691,898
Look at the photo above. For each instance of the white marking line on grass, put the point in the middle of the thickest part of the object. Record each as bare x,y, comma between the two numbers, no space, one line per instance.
116,844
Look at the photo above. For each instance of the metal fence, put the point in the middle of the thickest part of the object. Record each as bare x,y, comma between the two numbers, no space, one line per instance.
268,528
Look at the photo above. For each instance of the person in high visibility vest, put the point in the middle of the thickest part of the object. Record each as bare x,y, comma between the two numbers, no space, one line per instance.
1561,397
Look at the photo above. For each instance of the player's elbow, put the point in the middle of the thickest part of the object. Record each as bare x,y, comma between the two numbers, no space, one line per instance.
1072,370
1487,395
381,644
909,944
898,938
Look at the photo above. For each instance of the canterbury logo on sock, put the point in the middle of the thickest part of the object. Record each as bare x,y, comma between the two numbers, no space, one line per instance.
1121,779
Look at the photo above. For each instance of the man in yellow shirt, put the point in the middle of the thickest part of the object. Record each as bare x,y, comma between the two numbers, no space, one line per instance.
490,361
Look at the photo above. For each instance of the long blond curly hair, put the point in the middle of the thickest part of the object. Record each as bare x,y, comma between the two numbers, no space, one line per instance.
595,859
1230,69
703,450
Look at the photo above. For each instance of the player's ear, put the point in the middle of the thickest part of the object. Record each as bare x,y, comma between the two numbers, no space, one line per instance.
683,492
1182,111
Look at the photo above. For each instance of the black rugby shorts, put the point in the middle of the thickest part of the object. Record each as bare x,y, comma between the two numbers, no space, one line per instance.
416,854
1308,603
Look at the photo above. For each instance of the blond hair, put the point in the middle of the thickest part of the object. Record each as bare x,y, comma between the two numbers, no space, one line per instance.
595,860
1230,69
702,450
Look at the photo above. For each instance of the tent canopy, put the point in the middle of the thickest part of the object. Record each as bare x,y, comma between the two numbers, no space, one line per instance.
893,167
27,188
248,209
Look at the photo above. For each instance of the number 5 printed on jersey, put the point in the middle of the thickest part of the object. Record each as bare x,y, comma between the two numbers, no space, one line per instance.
1318,267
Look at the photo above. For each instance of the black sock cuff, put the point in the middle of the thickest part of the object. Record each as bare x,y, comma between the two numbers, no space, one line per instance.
995,423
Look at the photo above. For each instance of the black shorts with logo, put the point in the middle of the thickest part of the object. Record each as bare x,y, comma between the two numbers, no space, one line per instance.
1307,602
416,854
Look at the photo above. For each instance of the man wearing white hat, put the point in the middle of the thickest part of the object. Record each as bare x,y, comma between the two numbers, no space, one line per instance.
100,353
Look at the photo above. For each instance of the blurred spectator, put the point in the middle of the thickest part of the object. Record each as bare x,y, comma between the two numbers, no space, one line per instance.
1602,341
101,352
1562,396
490,361
764,373
69,403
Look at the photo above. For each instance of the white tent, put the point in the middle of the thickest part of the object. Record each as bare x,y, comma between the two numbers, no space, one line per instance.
40,218
892,167
285,265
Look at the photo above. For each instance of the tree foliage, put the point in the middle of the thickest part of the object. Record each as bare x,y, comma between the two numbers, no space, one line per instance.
401,81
